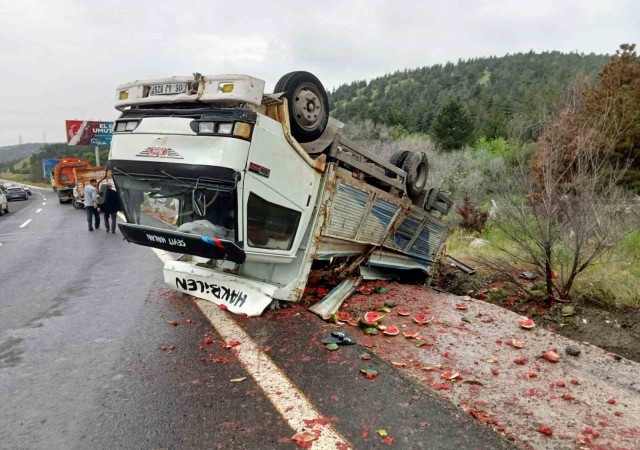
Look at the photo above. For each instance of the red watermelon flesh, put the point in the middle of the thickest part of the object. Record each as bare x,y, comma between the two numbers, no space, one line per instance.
527,323
392,330
422,319
373,317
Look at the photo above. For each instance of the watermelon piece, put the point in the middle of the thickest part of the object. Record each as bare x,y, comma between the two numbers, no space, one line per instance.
371,330
382,327
462,306
372,317
364,290
449,375
551,355
403,312
353,322
369,373
343,316
527,323
517,343
410,334
392,330
422,319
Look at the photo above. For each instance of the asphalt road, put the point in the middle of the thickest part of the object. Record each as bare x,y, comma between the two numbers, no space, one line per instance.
84,317
81,325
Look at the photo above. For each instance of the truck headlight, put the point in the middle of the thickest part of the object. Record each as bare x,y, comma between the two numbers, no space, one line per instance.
131,125
242,130
225,128
126,125
206,127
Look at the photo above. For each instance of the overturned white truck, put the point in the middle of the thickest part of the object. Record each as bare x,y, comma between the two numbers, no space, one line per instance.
254,189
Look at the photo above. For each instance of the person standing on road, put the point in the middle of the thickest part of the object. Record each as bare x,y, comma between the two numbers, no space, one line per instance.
91,203
110,207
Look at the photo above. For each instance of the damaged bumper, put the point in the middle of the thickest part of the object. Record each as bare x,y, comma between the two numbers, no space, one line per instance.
239,295
177,242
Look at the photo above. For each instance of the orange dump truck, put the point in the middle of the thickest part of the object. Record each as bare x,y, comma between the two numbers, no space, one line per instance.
83,175
64,180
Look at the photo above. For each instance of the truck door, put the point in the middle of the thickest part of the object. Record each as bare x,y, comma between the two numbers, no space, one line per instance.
279,193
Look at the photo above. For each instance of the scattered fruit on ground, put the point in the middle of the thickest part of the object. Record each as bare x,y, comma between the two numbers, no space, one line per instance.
392,330
527,323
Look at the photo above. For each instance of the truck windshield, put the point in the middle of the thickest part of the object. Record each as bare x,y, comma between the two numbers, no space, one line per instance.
168,204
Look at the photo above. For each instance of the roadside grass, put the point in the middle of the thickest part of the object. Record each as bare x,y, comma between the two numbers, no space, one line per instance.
22,179
612,282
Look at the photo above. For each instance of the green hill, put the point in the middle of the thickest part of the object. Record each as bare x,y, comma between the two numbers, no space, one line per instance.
17,152
493,90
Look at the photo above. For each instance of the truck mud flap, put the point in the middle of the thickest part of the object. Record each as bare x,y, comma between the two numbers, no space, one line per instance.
177,242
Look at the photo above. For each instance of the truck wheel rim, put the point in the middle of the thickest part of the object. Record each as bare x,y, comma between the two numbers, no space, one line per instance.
421,176
308,107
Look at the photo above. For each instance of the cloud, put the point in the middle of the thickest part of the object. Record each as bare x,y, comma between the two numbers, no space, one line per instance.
62,59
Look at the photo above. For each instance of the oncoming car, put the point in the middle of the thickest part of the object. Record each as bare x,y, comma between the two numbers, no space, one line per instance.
15,193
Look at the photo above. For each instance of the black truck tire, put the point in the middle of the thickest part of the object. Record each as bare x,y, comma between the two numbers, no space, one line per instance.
308,104
397,159
417,168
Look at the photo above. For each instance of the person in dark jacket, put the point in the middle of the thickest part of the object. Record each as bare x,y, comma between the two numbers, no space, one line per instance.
110,207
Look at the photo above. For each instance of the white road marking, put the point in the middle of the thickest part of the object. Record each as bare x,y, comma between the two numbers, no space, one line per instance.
38,210
290,402
25,224
44,203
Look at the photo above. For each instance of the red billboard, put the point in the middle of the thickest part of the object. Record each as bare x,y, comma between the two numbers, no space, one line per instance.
87,132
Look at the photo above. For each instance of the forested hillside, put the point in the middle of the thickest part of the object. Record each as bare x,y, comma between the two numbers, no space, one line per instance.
492,89
16,152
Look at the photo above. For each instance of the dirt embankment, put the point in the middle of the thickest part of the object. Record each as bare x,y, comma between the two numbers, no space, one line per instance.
478,356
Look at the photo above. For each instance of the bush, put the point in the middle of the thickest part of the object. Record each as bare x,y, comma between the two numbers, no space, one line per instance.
473,218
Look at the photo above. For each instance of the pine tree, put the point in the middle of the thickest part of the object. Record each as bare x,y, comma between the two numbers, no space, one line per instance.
453,127
618,99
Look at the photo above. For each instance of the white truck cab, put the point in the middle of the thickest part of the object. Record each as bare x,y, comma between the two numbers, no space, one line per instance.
252,189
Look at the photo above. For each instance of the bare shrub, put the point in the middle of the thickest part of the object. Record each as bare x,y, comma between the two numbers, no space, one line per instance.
568,212
473,219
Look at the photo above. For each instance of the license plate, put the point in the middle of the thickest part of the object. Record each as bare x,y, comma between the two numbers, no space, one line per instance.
168,89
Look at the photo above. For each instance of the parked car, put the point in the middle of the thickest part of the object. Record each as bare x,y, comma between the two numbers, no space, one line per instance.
4,203
16,193
27,189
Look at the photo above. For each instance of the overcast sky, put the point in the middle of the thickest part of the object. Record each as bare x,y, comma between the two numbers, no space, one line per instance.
62,59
